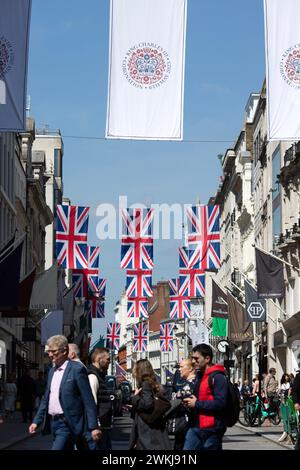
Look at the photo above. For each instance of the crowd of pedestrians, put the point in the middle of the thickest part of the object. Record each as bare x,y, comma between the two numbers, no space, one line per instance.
74,403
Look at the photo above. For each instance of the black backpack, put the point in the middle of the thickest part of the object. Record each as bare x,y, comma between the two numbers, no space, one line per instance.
232,408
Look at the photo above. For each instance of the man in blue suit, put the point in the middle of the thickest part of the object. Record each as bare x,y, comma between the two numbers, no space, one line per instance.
68,404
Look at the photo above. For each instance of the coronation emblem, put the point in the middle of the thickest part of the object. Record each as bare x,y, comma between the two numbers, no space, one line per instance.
6,56
290,66
146,66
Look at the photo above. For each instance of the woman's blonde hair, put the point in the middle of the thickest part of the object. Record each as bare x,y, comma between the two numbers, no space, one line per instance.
143,372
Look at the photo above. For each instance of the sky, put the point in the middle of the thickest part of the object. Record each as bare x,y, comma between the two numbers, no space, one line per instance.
67,84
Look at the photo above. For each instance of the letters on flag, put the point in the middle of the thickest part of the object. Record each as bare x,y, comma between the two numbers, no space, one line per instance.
113,335
204,236
14,44
146,69
44,291
255,307
282,48
239,329
71,236
137,239
270,279
140,337
166,337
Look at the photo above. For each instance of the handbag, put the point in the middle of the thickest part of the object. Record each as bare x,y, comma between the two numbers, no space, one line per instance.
161,406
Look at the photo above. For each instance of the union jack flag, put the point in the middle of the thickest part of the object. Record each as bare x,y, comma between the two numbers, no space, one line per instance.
137,307
95,307
137,240
140,337
204,235
86,280
192,282
139,283
188,259
173,286
120,373
179,304
100,288
71,236
166,337
180,307
113,335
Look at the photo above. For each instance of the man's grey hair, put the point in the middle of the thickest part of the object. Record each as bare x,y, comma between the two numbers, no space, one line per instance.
59,341
73,347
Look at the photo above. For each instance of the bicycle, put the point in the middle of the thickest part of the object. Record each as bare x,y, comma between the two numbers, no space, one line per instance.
257,410
290,420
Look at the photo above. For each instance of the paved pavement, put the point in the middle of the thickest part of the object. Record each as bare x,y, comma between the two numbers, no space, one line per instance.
14,436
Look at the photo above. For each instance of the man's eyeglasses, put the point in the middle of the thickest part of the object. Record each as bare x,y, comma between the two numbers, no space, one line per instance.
54,351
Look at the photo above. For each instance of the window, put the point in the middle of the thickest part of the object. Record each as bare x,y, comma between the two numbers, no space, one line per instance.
57,163
276,193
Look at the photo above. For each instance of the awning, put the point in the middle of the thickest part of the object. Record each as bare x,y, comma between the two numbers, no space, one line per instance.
292,324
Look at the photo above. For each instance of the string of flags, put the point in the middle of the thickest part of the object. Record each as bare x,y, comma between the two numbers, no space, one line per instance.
74,253
201,253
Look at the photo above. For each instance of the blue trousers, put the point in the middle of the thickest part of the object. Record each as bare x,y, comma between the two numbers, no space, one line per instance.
203,439
63,438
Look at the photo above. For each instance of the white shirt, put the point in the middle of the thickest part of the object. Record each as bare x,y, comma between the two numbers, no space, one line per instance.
54,407
94,383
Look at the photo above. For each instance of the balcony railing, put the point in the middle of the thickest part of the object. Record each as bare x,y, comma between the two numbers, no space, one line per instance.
292,153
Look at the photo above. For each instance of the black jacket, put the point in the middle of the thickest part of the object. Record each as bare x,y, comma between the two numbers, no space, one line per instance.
104,402
144,436
296,389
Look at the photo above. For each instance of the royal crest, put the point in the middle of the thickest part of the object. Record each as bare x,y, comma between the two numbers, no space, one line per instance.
290,66
147,65
6,56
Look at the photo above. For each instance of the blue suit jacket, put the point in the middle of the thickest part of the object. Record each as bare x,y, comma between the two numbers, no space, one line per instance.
76,400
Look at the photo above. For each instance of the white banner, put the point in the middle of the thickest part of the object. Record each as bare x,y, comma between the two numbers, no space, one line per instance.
198,332
146,69
282,44
14,38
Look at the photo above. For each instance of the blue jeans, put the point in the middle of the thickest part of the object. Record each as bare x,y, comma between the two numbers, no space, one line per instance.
62,436
203,439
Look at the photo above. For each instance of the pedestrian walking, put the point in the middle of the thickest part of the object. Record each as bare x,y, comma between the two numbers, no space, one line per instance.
185,389
100,358
74,353
285,386
26,393
148,406
208,403
68,407
10,396
40,387
271,389
296,400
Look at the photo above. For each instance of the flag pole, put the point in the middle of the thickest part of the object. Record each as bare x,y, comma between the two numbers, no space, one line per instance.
276,257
